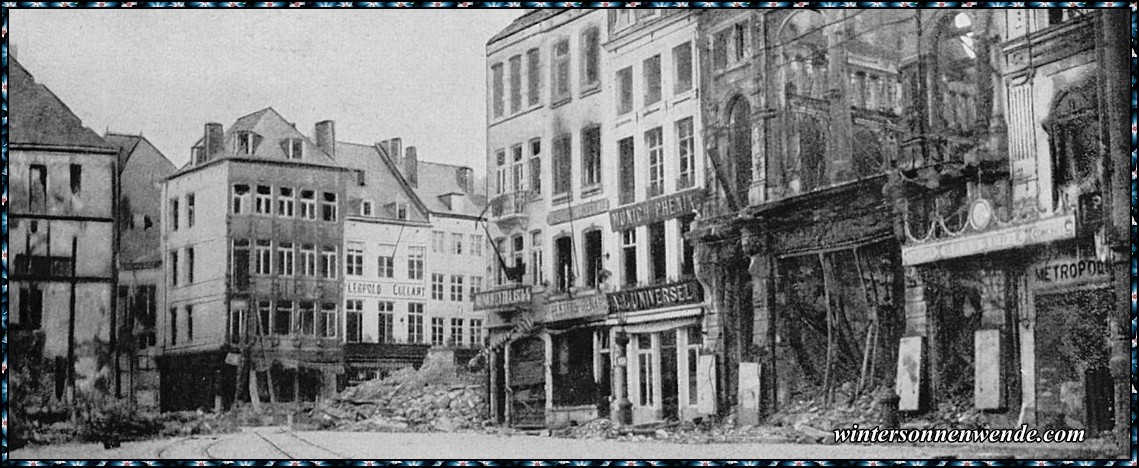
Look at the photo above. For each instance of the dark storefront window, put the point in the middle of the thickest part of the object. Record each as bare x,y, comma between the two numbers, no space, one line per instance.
657,257
593,258
563,255
573,368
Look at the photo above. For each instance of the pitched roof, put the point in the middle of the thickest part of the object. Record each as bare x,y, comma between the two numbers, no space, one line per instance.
437,180
127,144
38,117
531,18
383,178
273,130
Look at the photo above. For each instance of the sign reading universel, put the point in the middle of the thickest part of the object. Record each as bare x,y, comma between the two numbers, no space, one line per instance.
583,210
371,288
656,297
519,295
1048,230
659,209
577,308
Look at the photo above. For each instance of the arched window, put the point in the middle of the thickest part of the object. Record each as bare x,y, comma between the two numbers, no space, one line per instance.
812,154
1074,141
739,146
805,54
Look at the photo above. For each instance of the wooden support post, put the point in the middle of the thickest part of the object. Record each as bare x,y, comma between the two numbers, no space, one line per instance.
830,333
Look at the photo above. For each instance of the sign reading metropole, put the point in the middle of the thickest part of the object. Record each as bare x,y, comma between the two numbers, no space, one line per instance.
377,289
657,209
656,297
502,298
1074,271
1048,230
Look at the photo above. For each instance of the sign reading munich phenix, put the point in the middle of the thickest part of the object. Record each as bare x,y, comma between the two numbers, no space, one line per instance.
656,297
658,209
503,298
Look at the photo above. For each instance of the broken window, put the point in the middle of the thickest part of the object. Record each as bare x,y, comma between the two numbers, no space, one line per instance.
629,256
651,72
627,176
37,192
687,247
682,60
812,154
285,202
562,164
264,201
189,323
720,49
561,70
1072,128
308,204
591,155
240,198
593,265
537,273
328,207
190,210
285,259
572,368
263,256
517,170
515,83
534,75
247,143
306,312
624,90
308,260
31,308
328,318
76,179
563,255
591,57
241,264
264,318
739,147
328,266
173,326
536,166
476,332
519,258
657,255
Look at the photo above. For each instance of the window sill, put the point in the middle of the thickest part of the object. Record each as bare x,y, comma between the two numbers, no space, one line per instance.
591,190
559,102
561,199
624,120
682,96
594,88
651,108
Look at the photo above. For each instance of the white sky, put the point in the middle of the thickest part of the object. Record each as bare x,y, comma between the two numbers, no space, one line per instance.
379,73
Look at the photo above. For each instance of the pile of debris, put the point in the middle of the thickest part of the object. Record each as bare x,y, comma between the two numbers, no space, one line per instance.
683,432
438,396
813,418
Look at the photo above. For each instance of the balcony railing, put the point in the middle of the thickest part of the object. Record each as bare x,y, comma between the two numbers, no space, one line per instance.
510,204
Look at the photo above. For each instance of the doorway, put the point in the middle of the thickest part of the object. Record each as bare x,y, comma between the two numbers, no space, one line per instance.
1073,385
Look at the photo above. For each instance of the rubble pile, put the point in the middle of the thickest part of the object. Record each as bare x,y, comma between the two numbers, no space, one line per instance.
437,397
683,432
813,420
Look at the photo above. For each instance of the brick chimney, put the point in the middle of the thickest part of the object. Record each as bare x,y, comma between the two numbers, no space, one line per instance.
411,166
214,139
464,176
326,137
395,151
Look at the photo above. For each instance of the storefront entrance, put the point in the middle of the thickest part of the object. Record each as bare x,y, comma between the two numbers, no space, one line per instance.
1073,386
527,386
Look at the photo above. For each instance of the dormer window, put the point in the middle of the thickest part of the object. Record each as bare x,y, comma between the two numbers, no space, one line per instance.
401,210
294,148
247,143
198,155
366,208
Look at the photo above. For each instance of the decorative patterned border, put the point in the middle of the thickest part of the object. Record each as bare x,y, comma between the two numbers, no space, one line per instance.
5,6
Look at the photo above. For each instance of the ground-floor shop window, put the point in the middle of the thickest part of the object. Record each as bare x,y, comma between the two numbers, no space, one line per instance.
572,363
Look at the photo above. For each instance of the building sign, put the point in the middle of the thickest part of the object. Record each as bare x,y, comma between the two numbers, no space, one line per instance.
659,209
372,288
577,308
1069,272
1048,230
501,298
583,210
656,297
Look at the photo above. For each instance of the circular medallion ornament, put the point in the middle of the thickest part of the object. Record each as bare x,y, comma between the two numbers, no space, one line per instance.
980,214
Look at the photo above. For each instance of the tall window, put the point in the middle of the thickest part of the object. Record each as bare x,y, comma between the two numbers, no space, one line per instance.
436,331
517,168
263,256
189,210
457,244
687,248
264,318
692,352
385,331
476,332
437,286
476,286
627,176
645,369
328,207
240,198
247,142
308,204
285,202
497,89
561,70
657,254
283,319
629,256
591,57
519,257
173,326
624,90
328,266
537,262
812,154
438,241
456,287
37,190
264,201
476,245
457,331
739,146
328,319
77,180
189,265
294,148
174,268
354,260
501,181
720,49
174,214
739,40
654,141
651,71
307,318
515,83
563,146
682,60
241,263
591,155
415,263
354,321
308,260
685,151
563,253
386,261
534,76
536,166
414,322
592,258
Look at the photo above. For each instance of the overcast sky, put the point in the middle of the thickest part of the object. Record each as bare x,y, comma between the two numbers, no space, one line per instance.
379,73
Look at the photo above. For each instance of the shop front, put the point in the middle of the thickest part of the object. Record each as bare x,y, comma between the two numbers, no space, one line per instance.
515,356
669,376
578,389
